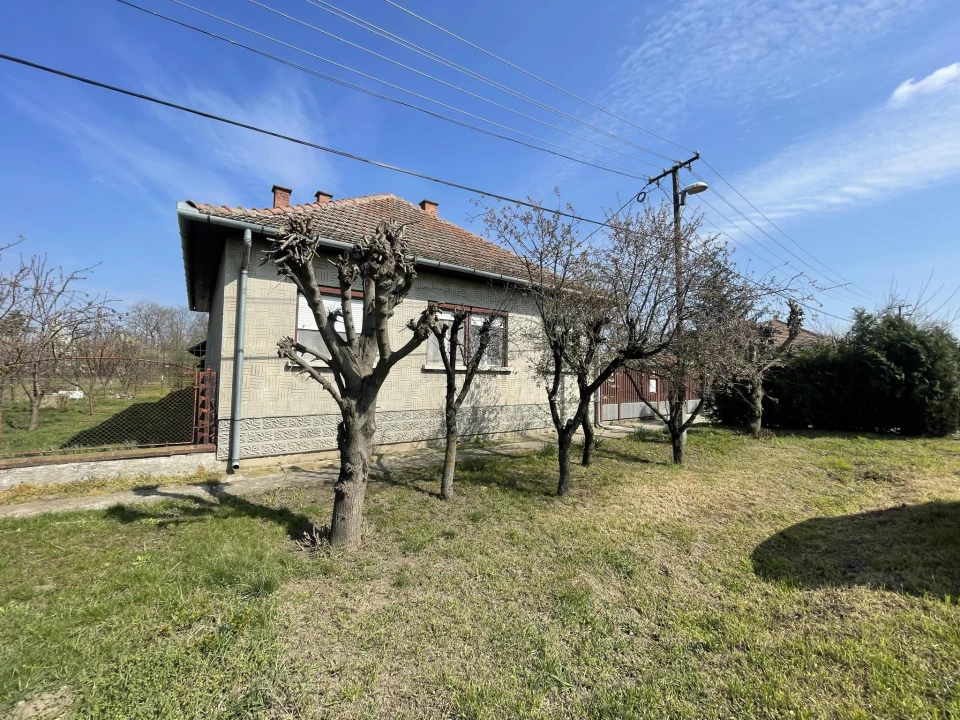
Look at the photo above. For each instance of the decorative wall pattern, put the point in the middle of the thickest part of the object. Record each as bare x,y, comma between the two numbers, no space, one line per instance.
269,436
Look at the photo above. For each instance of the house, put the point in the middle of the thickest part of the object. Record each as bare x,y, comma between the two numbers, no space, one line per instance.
278,411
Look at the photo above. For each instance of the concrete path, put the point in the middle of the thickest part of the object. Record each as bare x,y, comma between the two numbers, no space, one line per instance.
241,485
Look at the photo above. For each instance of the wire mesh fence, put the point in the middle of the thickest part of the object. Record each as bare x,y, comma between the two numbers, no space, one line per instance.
97,404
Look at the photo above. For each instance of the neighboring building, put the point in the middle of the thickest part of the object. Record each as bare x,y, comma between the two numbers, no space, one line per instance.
285,413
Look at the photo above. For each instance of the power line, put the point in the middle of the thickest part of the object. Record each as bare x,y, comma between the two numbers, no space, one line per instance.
367,91
395,62
750,280
622,119
281,136
538,78
775,241
753,239
306,143
393,37
807,252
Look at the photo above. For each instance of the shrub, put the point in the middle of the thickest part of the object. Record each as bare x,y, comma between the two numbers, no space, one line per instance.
886,375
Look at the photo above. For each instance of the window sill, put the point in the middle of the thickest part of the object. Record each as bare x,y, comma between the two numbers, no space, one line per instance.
482,370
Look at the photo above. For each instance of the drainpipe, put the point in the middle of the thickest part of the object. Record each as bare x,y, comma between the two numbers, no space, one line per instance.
236,399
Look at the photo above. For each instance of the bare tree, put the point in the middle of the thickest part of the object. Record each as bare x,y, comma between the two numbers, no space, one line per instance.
717,310
359,361
451,328
599,307
53,314
165,332
765,350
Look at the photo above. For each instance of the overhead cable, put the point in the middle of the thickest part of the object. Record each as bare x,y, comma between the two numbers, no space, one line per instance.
619,171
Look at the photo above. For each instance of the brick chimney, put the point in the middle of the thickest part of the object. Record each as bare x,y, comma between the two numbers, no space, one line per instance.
281,196
323,197
429,206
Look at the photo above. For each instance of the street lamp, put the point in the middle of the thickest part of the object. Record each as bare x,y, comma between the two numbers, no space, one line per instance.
692,189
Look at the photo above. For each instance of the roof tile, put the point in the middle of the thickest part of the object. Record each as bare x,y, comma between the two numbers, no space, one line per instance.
349,219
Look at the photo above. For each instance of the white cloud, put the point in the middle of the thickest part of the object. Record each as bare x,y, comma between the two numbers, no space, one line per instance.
933,82
888,151
704,51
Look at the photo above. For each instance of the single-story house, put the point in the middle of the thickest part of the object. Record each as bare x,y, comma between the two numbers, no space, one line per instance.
280,412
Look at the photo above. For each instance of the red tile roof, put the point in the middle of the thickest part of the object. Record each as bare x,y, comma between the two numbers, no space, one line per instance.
348,220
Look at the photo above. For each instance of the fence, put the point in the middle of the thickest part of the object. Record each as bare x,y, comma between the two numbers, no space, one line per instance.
98,404
621,401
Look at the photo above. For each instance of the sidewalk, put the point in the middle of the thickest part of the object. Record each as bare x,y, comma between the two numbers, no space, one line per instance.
241,485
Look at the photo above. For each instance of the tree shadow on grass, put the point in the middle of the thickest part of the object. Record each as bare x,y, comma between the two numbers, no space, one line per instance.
192,508
911,549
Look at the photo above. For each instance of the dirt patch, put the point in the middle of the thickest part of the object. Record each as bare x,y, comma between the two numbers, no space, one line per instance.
45,706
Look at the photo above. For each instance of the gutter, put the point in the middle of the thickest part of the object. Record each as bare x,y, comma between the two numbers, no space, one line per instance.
236,398
185,214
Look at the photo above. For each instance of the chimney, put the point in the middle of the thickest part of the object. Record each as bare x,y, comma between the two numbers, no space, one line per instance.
429,206
323,197
281,196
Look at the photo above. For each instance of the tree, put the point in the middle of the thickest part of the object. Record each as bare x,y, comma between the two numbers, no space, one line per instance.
450,333
716,308
50,314
359,361
599,306
165,332
765,351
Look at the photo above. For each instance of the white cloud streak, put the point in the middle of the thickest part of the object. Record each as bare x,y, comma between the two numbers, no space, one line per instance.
933,82
892,149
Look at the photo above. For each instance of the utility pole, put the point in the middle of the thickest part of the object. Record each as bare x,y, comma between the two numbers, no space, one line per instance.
900,310
679,393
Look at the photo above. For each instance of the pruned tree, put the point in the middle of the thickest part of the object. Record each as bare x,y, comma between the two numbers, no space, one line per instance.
359,361
717,311
450,330
599,307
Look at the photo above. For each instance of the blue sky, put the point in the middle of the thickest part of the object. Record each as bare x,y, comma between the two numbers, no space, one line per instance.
838,119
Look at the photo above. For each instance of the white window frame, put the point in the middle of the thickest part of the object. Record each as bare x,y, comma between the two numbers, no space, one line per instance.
306,321
475,318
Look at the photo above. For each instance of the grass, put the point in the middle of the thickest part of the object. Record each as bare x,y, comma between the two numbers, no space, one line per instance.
796,576
116,423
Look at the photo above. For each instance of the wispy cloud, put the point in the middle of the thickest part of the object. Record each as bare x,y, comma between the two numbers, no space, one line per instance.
704,52
933,82
892,149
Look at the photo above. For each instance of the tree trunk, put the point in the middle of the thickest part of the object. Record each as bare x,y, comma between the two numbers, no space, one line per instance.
755,422
564,439
677,440
589,442
449,457
355,442
35,398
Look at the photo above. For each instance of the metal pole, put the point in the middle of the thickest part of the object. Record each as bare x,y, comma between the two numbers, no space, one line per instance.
236,399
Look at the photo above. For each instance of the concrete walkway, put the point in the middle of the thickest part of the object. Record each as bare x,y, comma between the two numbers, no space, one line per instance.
247,485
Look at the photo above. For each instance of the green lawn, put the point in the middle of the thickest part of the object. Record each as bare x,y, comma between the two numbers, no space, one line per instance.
154,416
799,576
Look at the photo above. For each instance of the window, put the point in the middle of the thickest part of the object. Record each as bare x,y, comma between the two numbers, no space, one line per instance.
433,345
309,334
652,386
495,354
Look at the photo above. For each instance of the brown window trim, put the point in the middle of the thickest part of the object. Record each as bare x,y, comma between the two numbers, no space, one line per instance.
478,310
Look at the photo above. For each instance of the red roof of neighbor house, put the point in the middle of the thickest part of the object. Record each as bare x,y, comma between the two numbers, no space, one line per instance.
348,220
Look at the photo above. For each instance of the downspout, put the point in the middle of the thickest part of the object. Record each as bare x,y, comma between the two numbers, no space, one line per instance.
236,399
